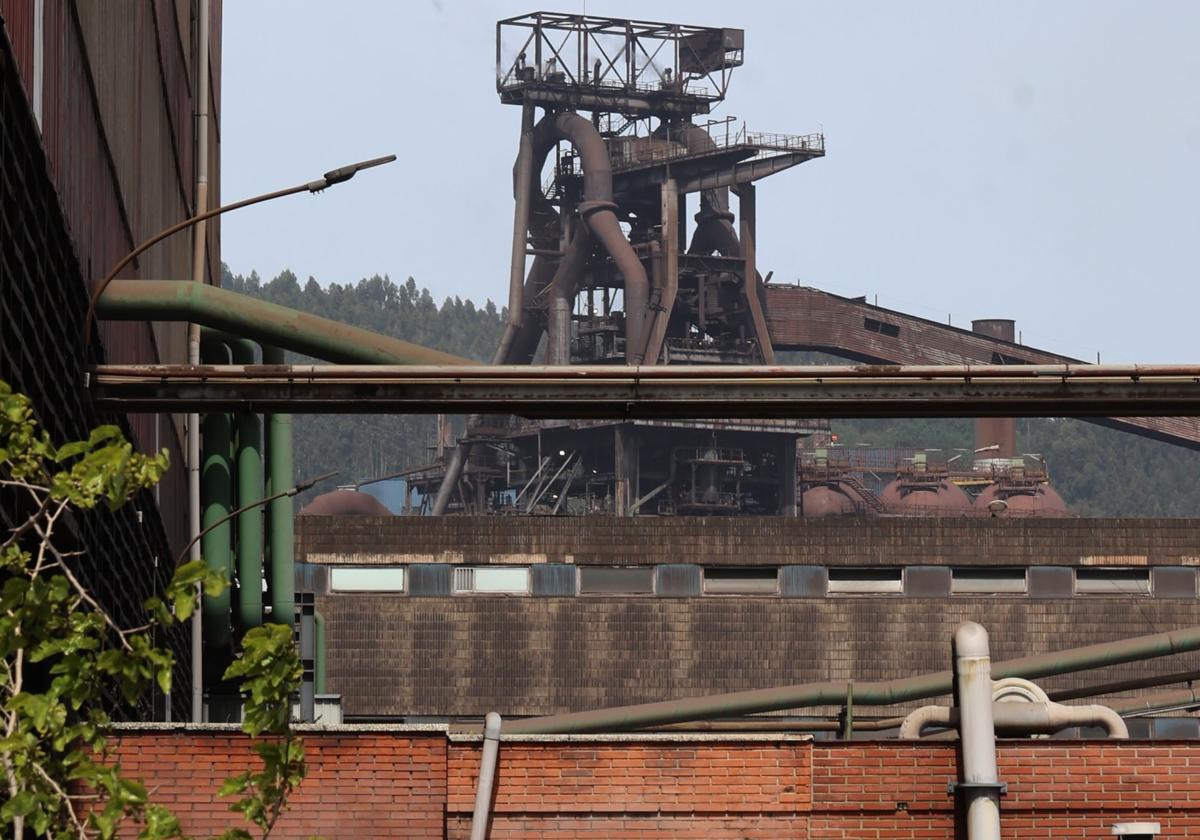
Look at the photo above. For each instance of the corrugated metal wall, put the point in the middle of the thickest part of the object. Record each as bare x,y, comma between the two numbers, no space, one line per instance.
119,133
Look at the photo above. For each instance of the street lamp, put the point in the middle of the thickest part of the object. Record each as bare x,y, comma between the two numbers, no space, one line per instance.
334,176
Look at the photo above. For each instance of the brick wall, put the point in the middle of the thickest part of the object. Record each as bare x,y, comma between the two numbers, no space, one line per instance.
418,784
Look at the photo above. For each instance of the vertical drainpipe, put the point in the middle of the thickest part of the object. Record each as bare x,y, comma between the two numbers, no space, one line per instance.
281,540
193,419
977,731
487,776
249,471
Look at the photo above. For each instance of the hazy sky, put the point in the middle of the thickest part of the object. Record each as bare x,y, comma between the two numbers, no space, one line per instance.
1033,160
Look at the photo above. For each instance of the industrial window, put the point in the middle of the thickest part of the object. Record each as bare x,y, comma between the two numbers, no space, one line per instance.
1109,581
741,581
496,580
873,581
881,327
988,581
594,580
366,579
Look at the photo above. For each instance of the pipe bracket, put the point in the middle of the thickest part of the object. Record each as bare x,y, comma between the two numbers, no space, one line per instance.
954,787
587,208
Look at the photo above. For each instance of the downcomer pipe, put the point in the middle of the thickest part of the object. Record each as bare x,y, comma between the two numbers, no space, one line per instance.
904,690
266,323
597,212
977,731
487,776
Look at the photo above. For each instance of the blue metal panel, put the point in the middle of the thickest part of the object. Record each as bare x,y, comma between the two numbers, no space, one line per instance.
803,581
553,580
429,579
678,580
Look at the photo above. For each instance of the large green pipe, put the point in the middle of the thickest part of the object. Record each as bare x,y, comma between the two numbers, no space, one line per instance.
249,471
211,306
281,541
322,655
216,493
865,693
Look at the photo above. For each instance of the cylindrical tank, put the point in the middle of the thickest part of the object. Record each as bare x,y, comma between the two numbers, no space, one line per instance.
945,498
826,500
1040,500
345,503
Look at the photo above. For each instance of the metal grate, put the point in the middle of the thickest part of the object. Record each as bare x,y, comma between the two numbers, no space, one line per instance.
42,301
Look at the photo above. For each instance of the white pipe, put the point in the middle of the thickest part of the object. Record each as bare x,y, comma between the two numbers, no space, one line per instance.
193,420
1020,719
976,730
487,776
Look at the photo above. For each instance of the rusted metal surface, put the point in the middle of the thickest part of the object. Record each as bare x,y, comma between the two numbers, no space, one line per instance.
687,391
803,318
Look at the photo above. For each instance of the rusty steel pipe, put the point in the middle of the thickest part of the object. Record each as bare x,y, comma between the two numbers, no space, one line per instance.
464,369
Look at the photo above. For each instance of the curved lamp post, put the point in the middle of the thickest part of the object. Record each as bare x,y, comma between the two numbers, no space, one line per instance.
334,176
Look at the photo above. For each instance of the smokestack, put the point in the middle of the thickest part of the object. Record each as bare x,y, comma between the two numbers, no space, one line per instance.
996,431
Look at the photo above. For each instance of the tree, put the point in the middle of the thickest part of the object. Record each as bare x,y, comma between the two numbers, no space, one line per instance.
63,653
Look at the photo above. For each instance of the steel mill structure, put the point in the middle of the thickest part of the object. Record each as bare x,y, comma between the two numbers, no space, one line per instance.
692,558
603,181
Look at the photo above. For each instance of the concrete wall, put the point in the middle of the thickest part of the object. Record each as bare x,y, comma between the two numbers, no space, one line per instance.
421,784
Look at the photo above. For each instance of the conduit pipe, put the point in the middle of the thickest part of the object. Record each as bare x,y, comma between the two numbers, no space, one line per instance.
266,323
1021,719
281,575
904,690
192,429
216,493
487,776
976,731
248,469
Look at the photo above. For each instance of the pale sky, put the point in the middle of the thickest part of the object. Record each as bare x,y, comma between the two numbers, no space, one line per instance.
1026,159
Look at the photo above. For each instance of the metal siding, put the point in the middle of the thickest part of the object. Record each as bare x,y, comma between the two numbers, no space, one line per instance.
679,580
803,318
19,26
1173,582
927,581
803,581
1051,582
428,580
553,579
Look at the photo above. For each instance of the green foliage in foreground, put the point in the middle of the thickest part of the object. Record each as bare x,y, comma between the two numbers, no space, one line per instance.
61,652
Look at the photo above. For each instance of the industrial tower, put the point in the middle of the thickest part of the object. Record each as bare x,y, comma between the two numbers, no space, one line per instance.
620,276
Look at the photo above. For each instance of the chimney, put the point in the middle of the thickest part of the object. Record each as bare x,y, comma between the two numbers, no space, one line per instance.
1000,432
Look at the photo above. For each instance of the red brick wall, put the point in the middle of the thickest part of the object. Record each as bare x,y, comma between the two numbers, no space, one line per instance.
417,784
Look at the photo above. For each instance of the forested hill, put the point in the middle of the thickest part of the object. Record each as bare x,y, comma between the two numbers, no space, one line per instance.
360,445
1100,472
